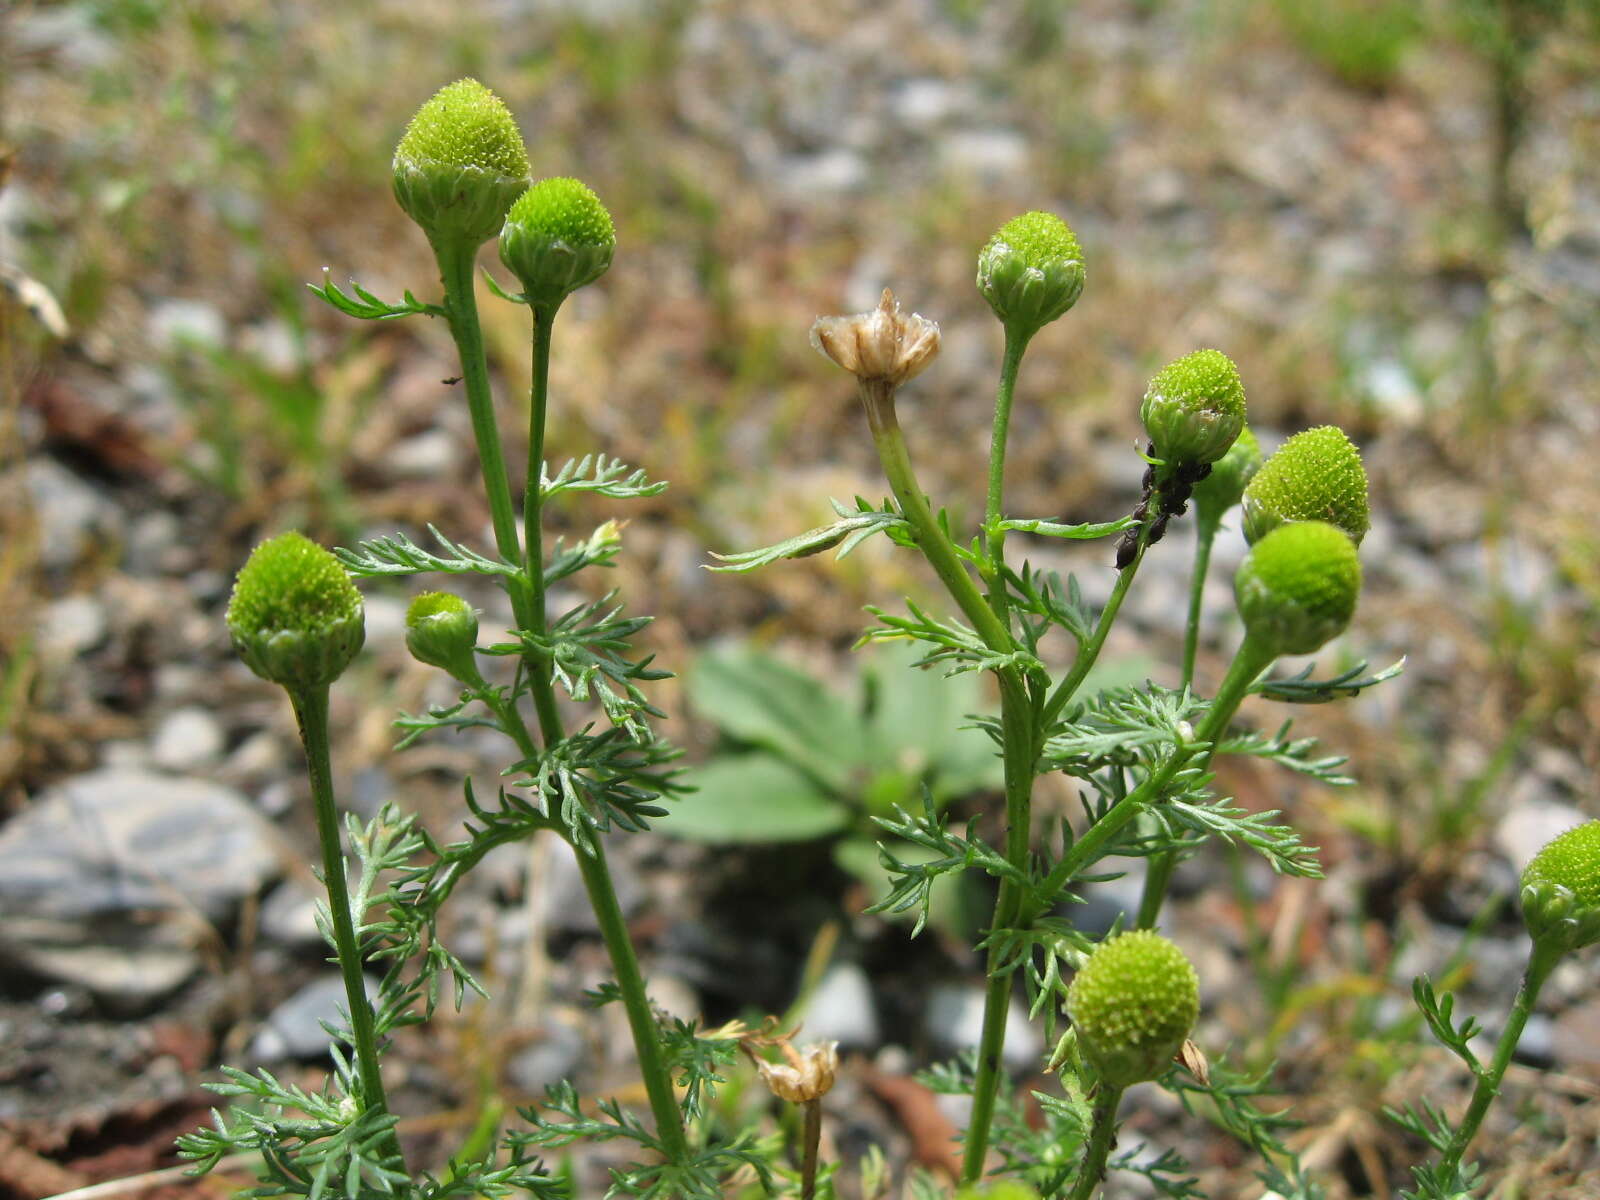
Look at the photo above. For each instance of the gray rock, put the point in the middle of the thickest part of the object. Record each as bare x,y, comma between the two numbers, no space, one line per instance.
155,545
179,324
985,154
841,1009
107,880
955,1022
71,626
186,739
427,455
563,900
555,1055
289,917
294,1029
70,513
1525,829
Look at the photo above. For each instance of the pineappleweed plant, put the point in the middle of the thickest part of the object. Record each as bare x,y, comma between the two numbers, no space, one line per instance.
1141,755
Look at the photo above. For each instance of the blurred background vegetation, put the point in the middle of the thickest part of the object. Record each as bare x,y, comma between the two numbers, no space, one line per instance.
1388,213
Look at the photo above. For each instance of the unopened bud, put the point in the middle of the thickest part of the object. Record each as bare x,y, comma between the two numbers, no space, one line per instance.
1298,586
1315,476
1194,408
1133,1004
1561,890
460,165
1031,271
558,237
295,617
1230,474
442,631
884,346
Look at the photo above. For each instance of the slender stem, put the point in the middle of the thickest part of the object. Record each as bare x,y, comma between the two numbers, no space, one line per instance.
811,1137
1102,1137
1205,533
1541,962
311,712
1089,653
994,536
544,699
1252,659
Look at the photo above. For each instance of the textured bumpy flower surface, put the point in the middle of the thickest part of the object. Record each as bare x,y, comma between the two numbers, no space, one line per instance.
1315,476
1298,586
1031,271
1561,890
1133,1003
1194,408
460,165
884,346
558,237
295,617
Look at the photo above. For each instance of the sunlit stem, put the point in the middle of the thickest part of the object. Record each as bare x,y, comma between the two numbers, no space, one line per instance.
1205,534
994,507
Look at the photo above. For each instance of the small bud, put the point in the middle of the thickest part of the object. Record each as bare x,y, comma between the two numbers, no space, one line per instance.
460,165
1561,890
1133,1004
801,1077
1315,476
1298,587
1194,408
558,237
442,631
1230,474
1031,271
295,617
883,346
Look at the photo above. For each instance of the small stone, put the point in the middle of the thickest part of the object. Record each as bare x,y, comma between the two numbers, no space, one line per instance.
294,1030
1526,828
428,455
178,324
71,626
71,517
841,1009
955,1021
289,917
188,738
555,1054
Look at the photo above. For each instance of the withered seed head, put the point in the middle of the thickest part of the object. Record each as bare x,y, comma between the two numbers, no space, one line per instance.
884,346
801,1077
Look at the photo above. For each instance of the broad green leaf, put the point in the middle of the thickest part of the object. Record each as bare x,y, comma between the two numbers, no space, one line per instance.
959,904
914,729
755,698
753,798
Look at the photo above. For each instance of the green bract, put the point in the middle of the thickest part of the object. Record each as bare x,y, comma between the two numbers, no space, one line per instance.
1561,890
295,617
460,165
1031,271
442,631
1315,476
558,237
1230,474
1194,408
1298,587
1133,1004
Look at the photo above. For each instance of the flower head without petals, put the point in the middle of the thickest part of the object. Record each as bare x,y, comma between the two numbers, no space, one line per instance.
884,347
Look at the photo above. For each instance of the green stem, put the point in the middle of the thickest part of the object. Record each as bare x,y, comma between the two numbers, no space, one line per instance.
544,699
994,536
1205,533
1020,747
1541,962
311,711
1102,1137
1252,659
811,1137
1090,651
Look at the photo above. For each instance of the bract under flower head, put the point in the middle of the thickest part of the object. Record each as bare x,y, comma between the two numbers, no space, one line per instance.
442,631
1298,586
1031,271
558,237
1193,408
460,165
884,346
1561,890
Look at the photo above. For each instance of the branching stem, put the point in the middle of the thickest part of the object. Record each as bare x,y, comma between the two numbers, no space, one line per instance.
1102,1136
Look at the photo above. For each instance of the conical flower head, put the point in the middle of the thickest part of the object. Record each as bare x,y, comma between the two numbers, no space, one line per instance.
1194,408
1315,476
460,165
1298,586
1133,1003
1230,475
1561,890
295,617
1031,271
442,631
558,237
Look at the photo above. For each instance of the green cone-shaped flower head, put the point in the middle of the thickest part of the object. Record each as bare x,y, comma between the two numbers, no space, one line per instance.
1561,890
1230,474
460,165
557,238
295,617
1194,408
1298,587
1315,476
442,631
1031,271
1133,1004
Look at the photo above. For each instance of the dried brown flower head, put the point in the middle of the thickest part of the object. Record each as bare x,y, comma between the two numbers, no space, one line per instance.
884,346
